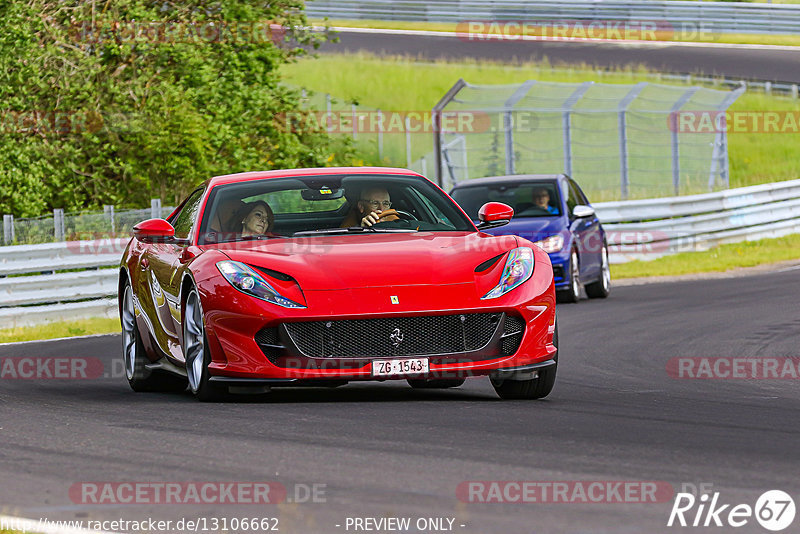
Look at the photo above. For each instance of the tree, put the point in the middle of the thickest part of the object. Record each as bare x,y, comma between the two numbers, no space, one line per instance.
116,102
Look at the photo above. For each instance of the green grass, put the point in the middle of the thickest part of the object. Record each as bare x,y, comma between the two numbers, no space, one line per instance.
404,83
720,259
61,329
735,38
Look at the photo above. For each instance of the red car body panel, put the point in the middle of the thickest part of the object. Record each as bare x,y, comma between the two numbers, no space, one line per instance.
337,277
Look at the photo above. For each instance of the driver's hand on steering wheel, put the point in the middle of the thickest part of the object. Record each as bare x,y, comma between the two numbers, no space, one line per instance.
373,218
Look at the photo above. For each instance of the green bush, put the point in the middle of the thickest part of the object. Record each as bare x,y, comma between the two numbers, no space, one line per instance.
95,111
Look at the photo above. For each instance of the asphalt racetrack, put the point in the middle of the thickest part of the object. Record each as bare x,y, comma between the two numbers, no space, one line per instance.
738,61
385,450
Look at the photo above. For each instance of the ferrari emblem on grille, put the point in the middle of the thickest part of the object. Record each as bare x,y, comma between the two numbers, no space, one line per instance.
396,337
394,299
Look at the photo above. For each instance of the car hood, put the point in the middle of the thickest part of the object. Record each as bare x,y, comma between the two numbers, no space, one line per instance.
531,228
373,260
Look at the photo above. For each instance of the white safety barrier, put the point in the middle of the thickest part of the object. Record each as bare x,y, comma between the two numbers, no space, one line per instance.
35,289
636,229
648,229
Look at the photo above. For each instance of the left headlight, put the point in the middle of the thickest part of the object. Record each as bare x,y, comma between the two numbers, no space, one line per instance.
247,280
518,269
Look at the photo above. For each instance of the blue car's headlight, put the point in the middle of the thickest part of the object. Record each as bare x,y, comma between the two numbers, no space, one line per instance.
247,280
518,269
554,243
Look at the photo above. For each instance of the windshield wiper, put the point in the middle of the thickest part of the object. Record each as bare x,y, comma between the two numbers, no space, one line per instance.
258,237
354,230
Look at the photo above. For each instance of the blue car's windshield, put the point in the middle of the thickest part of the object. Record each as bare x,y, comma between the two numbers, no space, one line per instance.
531,199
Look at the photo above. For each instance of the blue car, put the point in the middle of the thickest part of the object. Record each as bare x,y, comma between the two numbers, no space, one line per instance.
552,211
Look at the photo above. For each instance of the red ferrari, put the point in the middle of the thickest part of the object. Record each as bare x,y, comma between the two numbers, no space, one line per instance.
325,276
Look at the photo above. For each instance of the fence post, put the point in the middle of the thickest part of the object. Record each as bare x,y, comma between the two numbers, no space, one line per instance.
424,166
566,123
408,143
623,137
794,91
329,115
8,229
108,211
380,135
355,121
155,208
508,124
58,224
674,125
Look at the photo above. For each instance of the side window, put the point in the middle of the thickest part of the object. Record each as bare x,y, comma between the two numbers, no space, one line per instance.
184,220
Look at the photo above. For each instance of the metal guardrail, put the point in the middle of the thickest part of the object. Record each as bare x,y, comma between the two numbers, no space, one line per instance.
35,288
648,229
716,17
637,229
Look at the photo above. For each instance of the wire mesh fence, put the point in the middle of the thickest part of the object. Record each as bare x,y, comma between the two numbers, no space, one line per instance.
87,225
618,141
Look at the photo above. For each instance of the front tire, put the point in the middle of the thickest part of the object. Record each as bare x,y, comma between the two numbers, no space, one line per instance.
534,388
601,288
140,378
195,350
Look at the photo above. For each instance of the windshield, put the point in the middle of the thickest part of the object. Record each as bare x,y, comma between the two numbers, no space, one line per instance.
326,205
531,199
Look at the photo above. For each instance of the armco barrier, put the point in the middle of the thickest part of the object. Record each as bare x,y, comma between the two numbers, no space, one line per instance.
717,17
636,229
648,229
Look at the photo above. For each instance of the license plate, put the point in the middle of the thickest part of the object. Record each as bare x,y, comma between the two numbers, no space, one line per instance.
406,366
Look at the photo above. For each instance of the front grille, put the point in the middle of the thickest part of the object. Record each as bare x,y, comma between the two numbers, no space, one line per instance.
268,342
512,334
558,272
398,336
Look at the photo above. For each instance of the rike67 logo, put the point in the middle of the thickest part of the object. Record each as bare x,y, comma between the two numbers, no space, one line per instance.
774,510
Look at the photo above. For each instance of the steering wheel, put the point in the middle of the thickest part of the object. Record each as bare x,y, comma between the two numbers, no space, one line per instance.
406,215
397,213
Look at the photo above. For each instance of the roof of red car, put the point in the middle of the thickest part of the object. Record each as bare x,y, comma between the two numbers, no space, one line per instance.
282,173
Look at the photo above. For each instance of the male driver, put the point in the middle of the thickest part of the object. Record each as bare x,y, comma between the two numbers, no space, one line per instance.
372,202
541,200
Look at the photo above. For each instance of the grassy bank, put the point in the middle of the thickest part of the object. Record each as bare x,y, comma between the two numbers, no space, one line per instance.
403,83
723,258
61,329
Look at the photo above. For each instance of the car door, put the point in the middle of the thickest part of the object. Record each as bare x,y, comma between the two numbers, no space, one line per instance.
590,237
164,271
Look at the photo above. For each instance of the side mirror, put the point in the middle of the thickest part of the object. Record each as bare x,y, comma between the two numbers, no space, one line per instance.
494,214
154,231
582,211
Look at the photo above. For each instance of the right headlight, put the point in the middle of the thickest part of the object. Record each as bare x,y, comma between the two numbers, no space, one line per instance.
247,280
518,269
554,243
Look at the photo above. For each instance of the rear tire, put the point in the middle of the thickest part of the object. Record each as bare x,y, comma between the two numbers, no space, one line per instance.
435,383
601,288
573,294
534,388
140,378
